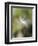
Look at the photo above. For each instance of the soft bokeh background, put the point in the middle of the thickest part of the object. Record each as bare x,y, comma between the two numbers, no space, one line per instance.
21,22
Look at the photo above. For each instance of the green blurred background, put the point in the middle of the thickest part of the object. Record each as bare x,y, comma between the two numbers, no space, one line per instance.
21,22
